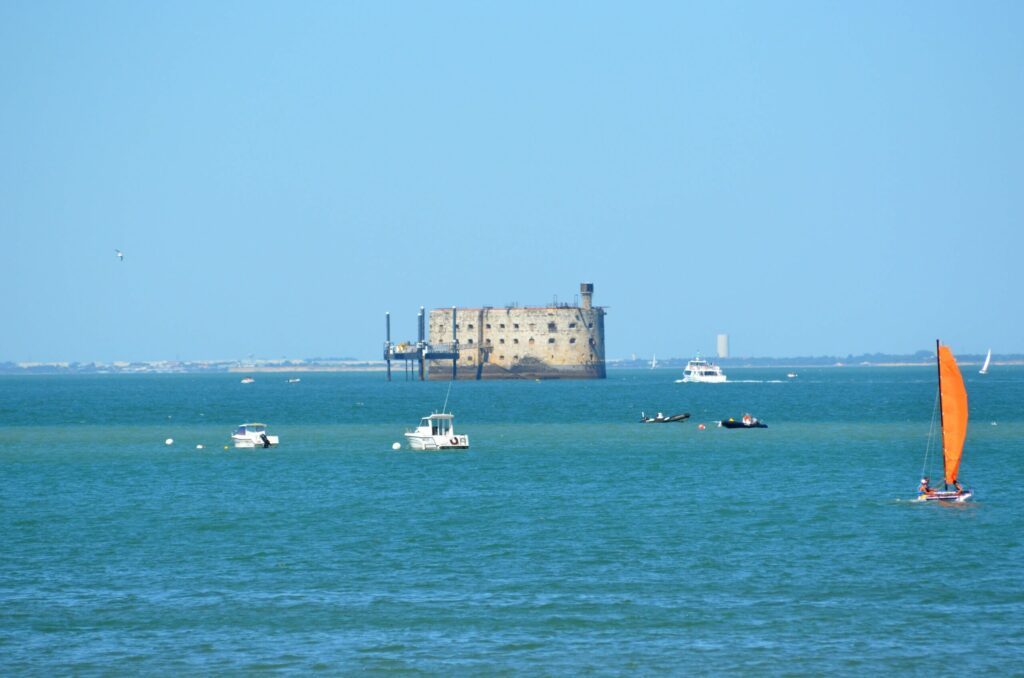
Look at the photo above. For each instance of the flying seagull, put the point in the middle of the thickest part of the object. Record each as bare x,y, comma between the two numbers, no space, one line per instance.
120,254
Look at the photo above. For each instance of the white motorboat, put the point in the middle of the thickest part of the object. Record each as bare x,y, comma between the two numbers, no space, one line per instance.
437,432
701,371
248,380
253,435
791,375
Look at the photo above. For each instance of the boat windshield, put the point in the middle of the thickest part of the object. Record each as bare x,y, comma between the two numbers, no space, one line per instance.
240,430
440,427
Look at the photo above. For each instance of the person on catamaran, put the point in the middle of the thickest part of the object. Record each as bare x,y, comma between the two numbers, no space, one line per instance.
956,484
926,487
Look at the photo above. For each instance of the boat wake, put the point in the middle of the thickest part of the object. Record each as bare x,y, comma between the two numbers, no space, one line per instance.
755,381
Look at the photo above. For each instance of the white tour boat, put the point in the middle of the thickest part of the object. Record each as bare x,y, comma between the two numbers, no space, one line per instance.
437,432
701,371
253,435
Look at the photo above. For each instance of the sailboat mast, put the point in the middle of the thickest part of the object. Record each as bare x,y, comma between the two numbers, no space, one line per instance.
938,368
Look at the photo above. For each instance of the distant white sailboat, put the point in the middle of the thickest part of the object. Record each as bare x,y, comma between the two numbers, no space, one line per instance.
654,361
988,359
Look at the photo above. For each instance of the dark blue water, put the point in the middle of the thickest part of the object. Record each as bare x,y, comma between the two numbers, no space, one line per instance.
568,538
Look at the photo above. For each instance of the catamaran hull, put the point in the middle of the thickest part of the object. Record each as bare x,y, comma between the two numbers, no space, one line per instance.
957,497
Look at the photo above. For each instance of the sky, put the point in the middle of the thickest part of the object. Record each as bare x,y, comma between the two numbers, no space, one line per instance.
812,178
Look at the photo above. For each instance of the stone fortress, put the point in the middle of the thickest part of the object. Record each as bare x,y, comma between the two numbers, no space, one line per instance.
561,341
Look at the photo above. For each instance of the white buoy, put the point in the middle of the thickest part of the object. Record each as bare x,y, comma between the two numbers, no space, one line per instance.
396,446
169,441
199,447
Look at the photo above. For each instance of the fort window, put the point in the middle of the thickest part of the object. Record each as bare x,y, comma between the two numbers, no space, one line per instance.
552,327
515,341
572,326
551,340
469,359
457,326
487,341
572,340
502,340
488,325
533,326
531,341
515,357
471,341
515,326
470,325
590,325
502,326
591,341
501,357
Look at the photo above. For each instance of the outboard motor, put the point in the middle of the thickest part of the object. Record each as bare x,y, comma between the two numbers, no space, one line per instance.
265,439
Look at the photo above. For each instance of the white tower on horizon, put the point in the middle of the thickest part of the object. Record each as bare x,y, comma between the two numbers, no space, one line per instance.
723,345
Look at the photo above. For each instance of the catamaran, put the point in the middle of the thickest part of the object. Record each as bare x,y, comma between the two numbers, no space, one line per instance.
988,359
953,415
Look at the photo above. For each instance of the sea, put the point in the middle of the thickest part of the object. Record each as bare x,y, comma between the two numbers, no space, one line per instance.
569,538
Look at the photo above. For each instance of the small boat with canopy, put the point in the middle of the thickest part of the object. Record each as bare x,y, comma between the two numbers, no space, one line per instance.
437,432
951,405
253,435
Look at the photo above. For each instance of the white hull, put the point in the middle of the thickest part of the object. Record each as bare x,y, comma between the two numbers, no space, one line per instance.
250,443
718,379
431,442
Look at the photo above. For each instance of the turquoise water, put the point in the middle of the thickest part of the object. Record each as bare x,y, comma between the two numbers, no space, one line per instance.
569,538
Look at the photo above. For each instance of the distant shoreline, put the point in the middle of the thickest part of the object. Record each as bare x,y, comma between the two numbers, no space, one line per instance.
371,367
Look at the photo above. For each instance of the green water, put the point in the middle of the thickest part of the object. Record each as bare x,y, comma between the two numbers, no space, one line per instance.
569,537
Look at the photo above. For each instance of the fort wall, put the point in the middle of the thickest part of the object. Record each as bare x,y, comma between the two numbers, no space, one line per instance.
545,342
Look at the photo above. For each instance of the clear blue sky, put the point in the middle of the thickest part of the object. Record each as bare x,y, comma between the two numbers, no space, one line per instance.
810,177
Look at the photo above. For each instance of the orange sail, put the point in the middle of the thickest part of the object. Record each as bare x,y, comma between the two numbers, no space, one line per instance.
954,412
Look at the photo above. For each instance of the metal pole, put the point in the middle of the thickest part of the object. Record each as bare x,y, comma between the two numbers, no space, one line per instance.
455,346
422,347
942,419
387,345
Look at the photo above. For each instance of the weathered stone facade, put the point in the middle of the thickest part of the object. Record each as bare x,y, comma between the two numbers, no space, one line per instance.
545,342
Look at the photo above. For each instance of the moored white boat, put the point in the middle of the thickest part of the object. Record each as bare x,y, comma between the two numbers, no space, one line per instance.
253,435
247,380
437,432
701,371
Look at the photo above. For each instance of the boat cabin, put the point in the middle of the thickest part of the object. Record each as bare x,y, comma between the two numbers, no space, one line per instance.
437,424
256,429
